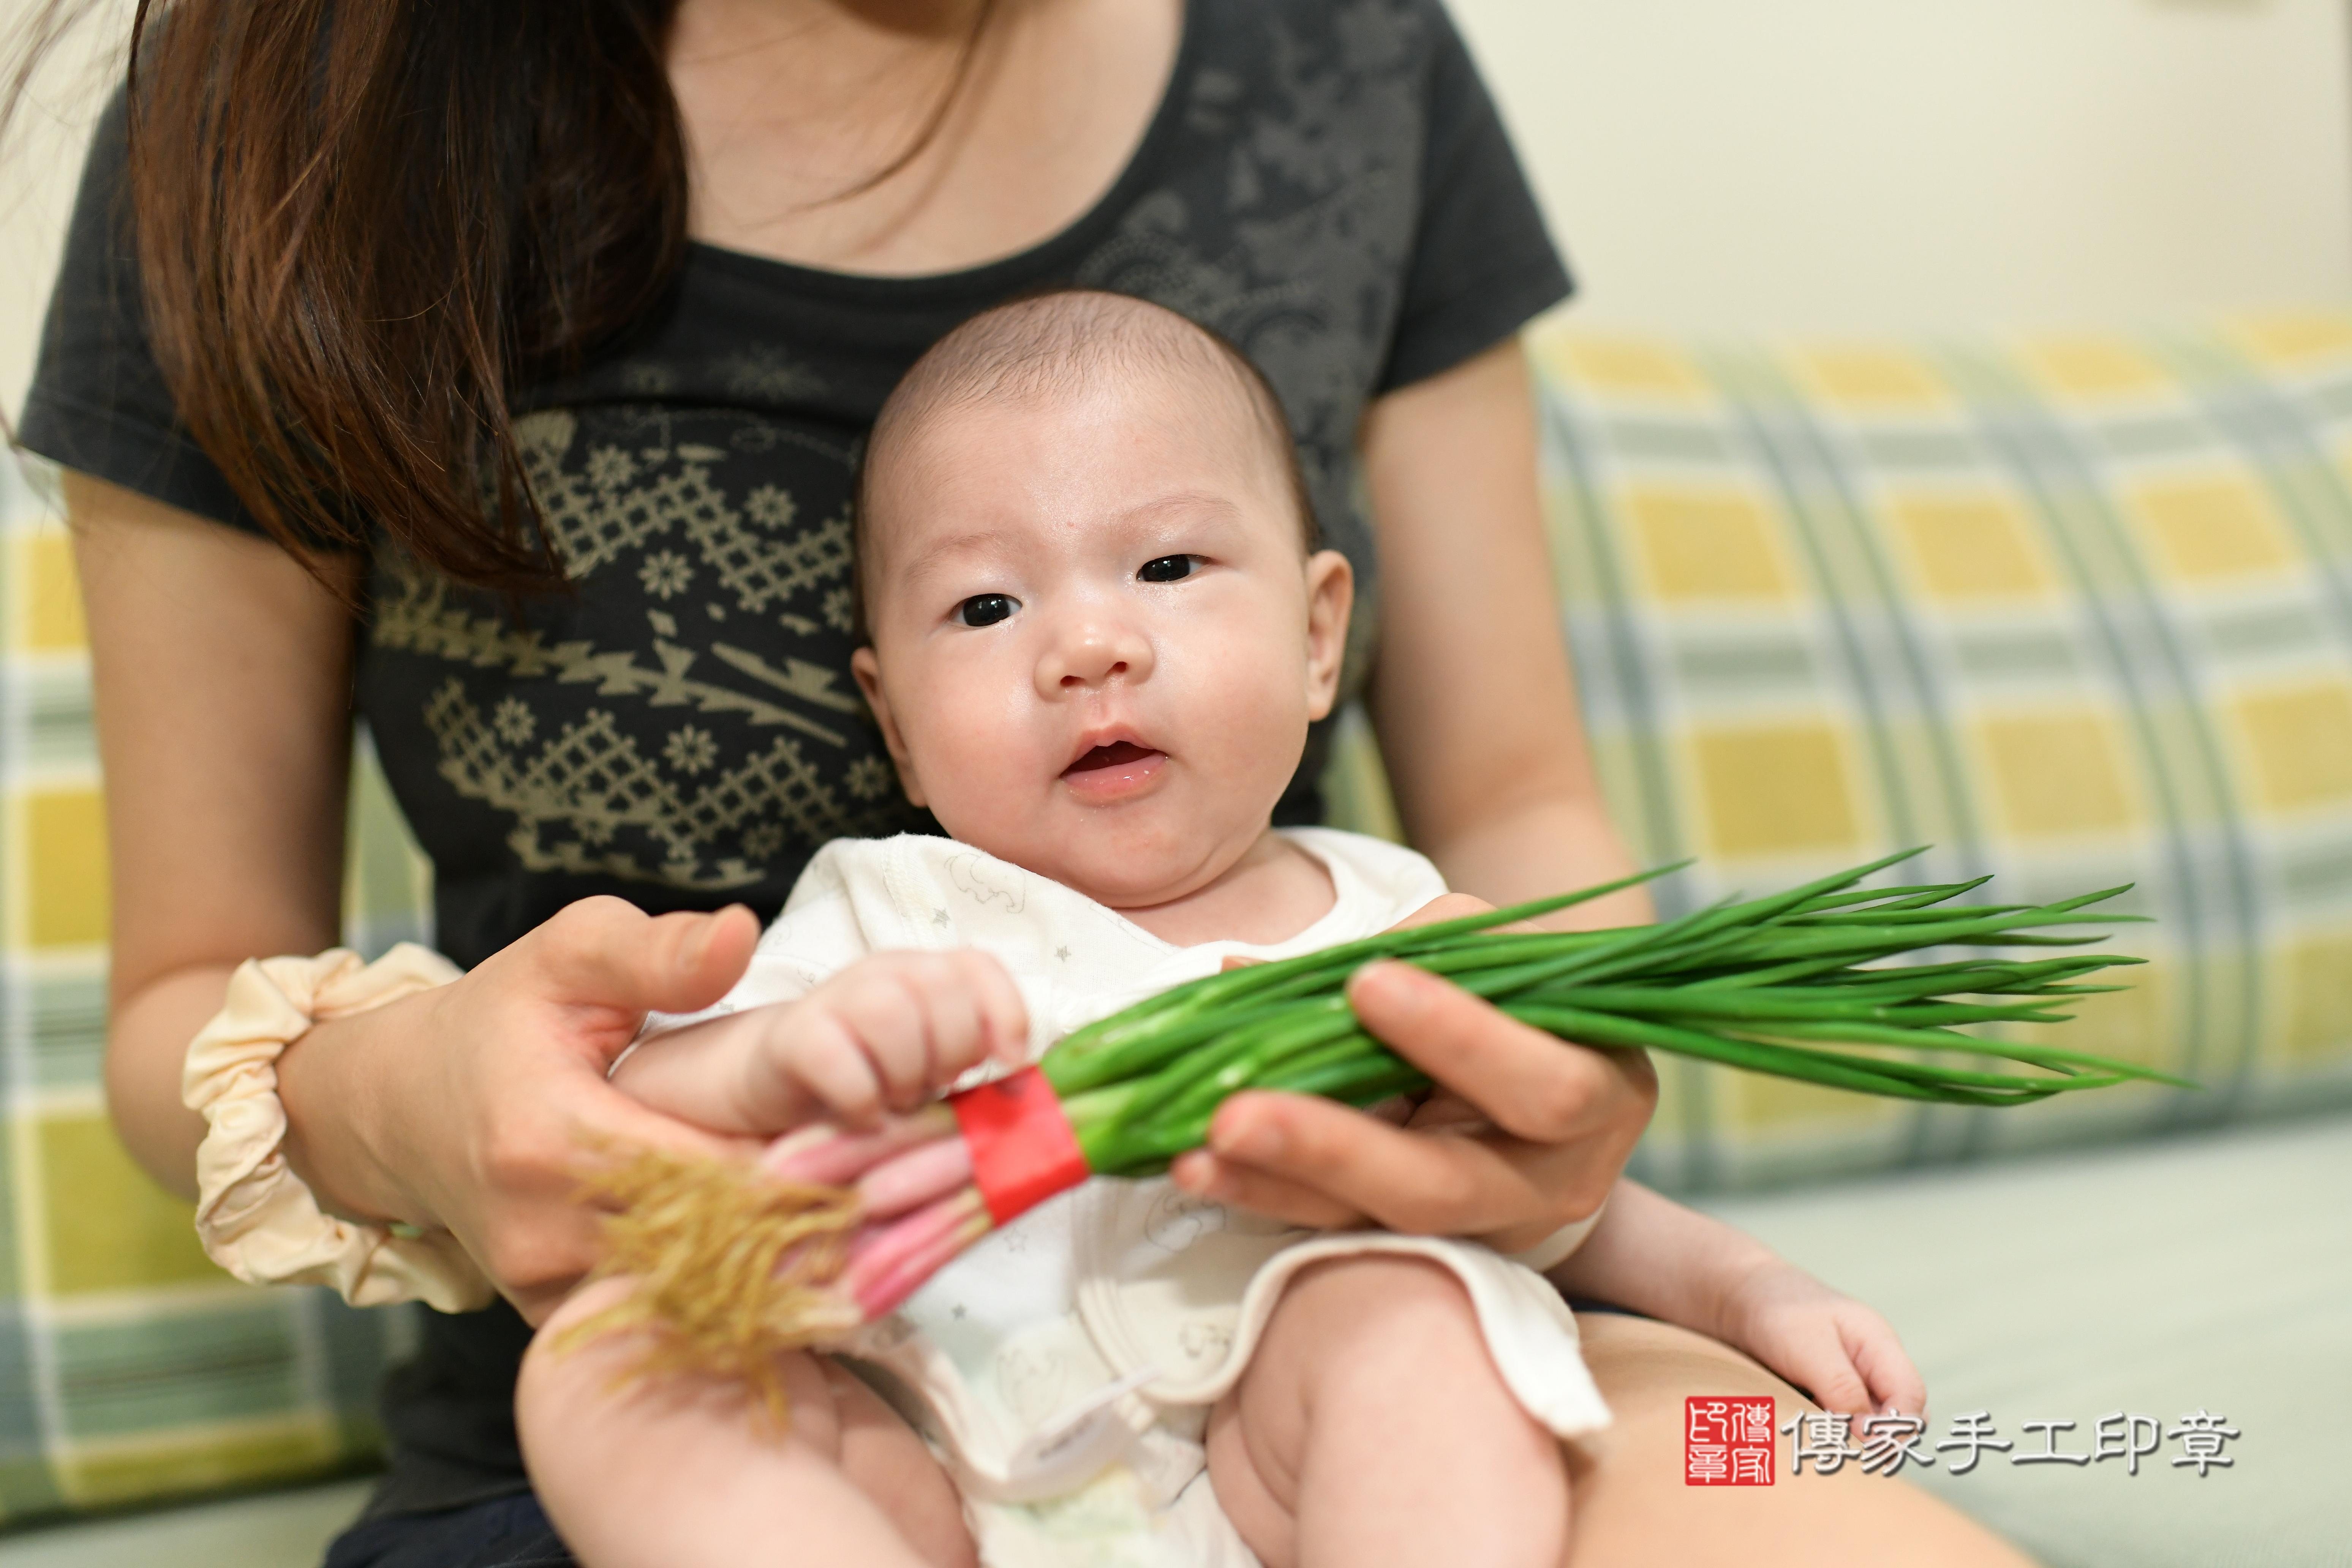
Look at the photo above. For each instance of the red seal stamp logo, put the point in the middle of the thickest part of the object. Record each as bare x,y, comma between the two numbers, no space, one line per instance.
1727,1441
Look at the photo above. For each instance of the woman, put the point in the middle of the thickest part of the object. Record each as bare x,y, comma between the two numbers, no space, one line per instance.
524,350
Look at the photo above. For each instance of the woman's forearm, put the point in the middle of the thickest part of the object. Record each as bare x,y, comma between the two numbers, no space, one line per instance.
1545,846
1472,697
146,1045
317,1084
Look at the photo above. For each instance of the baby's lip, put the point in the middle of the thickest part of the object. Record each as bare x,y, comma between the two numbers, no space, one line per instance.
1112,767
1109,748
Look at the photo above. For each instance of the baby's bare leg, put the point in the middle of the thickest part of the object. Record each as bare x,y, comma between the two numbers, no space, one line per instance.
685,1472
1372,1427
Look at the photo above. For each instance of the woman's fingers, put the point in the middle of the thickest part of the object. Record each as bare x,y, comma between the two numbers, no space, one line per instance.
495,1095
539,1238
1204,1176
1525,1081
1408,1182
604,952
609,1118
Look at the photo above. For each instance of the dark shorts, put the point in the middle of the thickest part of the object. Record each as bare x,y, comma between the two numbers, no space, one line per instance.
504,1533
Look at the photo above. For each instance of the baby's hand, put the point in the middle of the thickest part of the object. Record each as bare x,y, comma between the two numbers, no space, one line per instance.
1832,1346
887,1033
890,1032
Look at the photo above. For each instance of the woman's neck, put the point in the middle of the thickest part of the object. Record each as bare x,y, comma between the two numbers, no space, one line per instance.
1270,894
792,107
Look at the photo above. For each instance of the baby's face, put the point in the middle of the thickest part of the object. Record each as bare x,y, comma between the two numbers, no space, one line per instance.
1098,639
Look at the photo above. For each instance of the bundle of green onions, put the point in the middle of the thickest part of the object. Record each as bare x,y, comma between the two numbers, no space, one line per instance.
832,1229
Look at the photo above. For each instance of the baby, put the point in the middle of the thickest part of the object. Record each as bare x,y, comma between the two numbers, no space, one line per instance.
1098,631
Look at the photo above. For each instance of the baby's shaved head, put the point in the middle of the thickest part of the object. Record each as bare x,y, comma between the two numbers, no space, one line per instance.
1055,344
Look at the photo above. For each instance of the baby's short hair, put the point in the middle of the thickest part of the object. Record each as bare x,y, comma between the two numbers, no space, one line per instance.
1060,341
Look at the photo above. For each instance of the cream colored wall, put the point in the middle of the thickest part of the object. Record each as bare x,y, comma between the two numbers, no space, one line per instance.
1865,164
39,172
1841,165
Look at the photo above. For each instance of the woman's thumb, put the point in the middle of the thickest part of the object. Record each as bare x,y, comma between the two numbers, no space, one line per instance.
606,952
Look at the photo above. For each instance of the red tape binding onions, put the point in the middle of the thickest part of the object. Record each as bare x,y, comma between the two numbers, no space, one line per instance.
1022,1151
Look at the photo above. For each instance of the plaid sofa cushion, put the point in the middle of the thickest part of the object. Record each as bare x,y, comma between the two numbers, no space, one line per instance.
129,1367
2074,610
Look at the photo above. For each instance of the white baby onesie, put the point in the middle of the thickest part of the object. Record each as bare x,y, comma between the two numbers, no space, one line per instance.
1063,1367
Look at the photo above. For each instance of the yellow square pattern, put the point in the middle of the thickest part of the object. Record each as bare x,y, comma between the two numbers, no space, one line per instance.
1633,367
2300,742
2318,979
1971,547
2058,773
2296,340
201,1460
1707,545
1878,378
48,618
1780,1106
64,848
126,1231
2096,367
2214,527
1776,790
2130,1026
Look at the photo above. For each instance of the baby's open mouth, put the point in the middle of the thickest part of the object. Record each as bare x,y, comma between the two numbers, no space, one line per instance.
1118,753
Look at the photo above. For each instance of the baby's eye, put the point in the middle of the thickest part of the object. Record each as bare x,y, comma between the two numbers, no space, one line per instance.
1168,568
985,609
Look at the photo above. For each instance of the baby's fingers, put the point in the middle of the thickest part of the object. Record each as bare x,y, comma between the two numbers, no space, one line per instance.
1810,1352
1003,1016
929,1018
971,1011
833,1067
1878,1356
899,1015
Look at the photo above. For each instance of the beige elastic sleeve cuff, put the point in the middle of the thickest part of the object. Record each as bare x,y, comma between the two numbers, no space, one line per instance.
1554,1249
254,1215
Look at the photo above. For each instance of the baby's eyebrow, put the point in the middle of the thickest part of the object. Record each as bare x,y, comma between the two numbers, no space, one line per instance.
1181,500
932,556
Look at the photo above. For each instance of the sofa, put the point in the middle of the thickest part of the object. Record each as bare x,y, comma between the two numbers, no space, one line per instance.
2072,609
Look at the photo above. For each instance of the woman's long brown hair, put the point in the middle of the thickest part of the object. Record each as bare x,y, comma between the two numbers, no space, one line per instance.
362,224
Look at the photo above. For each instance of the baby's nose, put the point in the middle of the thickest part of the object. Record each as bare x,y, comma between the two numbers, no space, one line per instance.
1093,655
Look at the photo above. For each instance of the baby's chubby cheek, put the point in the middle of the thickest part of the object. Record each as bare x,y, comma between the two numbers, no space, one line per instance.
983,764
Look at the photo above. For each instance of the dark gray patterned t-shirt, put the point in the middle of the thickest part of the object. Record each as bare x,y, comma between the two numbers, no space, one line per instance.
1326,182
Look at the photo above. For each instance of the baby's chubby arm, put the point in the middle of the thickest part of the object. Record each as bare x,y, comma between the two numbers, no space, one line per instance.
1655,1256
887,1033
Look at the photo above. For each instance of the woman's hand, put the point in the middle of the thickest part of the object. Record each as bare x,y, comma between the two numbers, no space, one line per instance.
1523,1135
474,1108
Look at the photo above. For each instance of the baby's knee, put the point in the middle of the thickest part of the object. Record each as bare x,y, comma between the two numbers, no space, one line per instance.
567,1369
584,1389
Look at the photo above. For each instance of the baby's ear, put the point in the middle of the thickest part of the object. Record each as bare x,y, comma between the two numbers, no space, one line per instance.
868,672
1330,595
